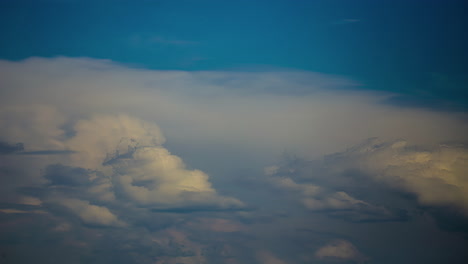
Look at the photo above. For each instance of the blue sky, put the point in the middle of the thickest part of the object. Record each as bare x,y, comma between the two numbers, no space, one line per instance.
403,46
233,132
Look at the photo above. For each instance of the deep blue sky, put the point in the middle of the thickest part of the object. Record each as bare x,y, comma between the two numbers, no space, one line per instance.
414,47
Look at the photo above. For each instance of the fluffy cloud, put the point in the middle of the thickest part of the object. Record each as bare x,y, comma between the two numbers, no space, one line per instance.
101,136
437,175
114,158
374,170
151,176
92,214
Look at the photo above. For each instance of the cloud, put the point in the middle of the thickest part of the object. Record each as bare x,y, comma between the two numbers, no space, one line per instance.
121,159
111,160
335,203
6,148
59,175
47,152
113,189
142,170
341,250
92,214
36,127
437,175
153,177
268,111
217,225
266,257
380,180
102,135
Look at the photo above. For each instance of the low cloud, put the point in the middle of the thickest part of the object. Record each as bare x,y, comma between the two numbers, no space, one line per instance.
95,179
436,175
340,250
266,257
92,214
118,159
7,148
335,203
386,177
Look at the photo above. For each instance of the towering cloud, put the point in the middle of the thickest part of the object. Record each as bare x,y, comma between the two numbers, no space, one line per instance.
114,160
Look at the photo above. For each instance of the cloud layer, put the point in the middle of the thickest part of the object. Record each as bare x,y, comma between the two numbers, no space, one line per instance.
85,167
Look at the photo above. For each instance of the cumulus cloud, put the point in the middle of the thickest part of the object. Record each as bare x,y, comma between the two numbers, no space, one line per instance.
436,175
102,135
114,159
379,173
151,176
341,250
92,156
92,214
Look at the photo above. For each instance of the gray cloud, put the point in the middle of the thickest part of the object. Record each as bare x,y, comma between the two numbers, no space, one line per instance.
6,148
47,152
320,198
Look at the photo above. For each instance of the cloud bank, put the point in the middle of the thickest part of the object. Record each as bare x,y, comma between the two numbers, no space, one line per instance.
85,167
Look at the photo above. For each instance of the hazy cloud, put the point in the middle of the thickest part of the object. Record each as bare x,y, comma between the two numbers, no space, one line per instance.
322,198
341,250
6,148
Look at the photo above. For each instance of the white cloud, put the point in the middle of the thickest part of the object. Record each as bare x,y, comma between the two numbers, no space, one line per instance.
92,214
36,126
165,182
258,113
437,175
103,135
124,158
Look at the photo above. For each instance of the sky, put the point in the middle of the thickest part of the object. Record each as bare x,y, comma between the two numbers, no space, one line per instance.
228,132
